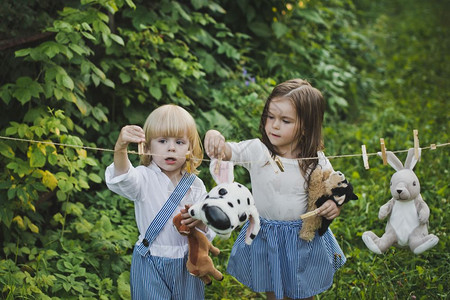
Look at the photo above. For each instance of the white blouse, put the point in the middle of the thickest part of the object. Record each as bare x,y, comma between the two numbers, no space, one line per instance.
149,188
278,196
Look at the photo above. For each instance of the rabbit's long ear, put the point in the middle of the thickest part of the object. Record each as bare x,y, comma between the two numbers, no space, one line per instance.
223,173
411,160
392,160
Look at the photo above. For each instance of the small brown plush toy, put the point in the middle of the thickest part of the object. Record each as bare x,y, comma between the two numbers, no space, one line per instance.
199,262
323,186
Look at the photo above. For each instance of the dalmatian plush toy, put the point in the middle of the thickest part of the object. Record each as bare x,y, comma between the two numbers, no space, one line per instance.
228,205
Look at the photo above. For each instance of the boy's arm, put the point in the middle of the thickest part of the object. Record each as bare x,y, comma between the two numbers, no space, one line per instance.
128,134
215,145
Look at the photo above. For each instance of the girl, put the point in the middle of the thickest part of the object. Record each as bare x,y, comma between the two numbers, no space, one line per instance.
158,268
278,262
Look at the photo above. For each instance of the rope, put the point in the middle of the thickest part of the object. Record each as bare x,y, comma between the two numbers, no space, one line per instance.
433,146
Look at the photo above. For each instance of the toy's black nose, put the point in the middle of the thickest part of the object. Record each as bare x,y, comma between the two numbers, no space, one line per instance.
399,191
216,217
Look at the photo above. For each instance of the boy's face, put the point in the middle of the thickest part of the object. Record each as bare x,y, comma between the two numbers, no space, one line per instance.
169,153
282,126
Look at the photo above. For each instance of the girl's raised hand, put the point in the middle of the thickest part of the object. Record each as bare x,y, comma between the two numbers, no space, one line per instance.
214,144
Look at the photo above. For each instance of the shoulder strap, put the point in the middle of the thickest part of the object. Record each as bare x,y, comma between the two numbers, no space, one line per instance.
166,211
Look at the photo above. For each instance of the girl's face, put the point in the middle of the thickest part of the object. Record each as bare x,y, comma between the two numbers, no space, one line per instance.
282,126
169,153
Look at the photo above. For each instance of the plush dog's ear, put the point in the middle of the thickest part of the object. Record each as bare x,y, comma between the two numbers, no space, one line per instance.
221,172
253,227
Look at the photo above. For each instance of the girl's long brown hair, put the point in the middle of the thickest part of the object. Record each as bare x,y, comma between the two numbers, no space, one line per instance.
310,107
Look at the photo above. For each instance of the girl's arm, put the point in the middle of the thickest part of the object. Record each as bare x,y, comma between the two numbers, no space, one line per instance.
215,145
128,134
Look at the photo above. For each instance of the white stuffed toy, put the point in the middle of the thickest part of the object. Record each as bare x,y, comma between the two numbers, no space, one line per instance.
228,205
408,221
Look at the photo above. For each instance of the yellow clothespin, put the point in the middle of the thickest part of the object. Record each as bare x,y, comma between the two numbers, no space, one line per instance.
279,163
188,161
309,214
383,151
272,163
217,166
365,157
433,146
416,143
141,148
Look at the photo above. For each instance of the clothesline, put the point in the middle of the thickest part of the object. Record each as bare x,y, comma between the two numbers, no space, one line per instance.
431,147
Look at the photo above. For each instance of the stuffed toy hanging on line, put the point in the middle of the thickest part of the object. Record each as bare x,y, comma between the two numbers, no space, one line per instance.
228,205
408,221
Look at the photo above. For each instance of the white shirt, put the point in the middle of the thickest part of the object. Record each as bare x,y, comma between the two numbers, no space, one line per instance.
278,196
150,188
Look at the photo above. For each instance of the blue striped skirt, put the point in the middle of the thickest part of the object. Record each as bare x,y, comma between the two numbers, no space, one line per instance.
154,277
279,261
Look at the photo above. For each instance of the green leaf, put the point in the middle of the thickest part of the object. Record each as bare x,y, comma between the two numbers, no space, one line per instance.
22,95
22,52
124,77
117,39
312,15
123,285
88,36
171,84
130,4
261,29
6,150
155,91
279,29
95,178
37,158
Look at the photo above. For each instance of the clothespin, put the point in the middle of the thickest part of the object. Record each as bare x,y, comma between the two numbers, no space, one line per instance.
309,214
272,163
279,163
383,151
416,143
217,166
433,146
365,157
188,161
141,148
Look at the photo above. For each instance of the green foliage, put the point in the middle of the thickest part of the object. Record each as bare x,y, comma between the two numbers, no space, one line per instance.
75,72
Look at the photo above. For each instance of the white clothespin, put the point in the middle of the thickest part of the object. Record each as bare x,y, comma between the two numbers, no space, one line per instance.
433,146
365,157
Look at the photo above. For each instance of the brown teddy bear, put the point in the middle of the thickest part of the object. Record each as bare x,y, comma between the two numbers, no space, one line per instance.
199,263
323,186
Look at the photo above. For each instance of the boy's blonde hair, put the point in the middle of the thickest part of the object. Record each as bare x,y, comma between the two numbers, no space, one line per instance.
173,121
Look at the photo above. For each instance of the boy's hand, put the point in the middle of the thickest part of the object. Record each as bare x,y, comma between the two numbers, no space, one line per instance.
129,134
189,221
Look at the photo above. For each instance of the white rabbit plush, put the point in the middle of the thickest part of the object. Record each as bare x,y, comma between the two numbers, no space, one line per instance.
408,221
